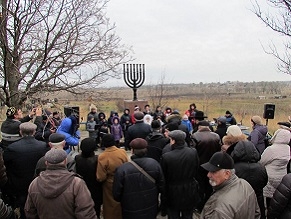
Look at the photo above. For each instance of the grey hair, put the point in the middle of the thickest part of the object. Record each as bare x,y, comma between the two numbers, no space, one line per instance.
27,128
231,170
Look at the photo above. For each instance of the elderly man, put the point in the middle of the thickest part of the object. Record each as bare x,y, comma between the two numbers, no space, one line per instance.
58,193
206,143
56,141
233,197
20,159
180,167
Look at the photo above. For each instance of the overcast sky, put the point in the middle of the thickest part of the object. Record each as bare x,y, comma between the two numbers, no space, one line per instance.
192,41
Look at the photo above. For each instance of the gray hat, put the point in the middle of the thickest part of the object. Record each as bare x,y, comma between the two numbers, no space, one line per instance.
56,138
221,119
55,156
178,135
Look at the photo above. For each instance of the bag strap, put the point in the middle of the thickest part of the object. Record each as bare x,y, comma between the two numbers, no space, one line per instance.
142,171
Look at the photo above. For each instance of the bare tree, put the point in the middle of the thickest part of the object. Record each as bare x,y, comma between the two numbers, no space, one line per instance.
54,45
277,16
157,93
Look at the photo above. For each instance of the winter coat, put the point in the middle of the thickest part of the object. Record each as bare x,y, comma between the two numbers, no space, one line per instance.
188,124
233,199
108,161
86,167
156,143
206,144
221,130
275,158
138,130
246,157
10,131
258,135
130,184
72,135
180,167
280,205
90,127
20,159
58,193
116,130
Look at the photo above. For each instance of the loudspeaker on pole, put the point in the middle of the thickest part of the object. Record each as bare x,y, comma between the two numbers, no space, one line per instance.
269,111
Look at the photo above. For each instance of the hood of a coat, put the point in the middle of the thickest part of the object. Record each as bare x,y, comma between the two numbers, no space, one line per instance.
66,125
245,151
281,136
52,183
229,139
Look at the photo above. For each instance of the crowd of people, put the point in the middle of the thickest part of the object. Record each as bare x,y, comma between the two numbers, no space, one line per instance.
180,165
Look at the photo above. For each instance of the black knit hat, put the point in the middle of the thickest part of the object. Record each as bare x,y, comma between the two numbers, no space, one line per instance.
108,140
155,124
88,145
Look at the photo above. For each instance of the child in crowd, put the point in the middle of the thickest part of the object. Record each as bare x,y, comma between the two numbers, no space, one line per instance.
185,121
116,130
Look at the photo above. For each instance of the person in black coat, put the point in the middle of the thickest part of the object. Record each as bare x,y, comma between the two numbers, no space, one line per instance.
156,141
138,193
180,166
86,166
221,127
137,130
20,159
280,205
246,157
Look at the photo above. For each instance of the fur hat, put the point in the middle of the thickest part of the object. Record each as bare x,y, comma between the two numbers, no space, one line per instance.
55,156
178,135
56,138
257,120
108,140
234,130
219,160
138,116
138,143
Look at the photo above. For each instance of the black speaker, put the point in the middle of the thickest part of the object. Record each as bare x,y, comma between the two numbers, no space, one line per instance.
72,110
269,111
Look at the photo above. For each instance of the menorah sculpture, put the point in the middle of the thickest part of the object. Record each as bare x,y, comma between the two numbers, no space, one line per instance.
134,76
